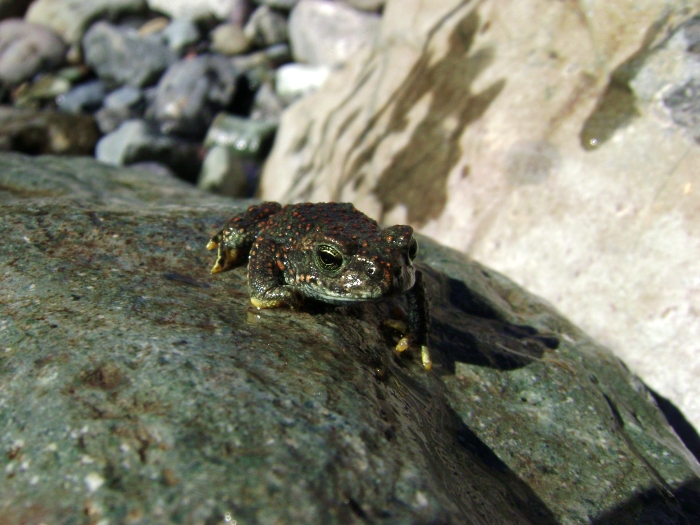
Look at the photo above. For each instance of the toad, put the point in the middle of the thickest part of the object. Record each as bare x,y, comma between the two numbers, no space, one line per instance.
329,252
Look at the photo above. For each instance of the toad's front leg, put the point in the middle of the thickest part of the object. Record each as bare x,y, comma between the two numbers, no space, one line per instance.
235,239
266,270
418,316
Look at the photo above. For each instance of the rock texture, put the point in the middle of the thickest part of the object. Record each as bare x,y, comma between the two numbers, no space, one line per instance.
71,18
137,387
555,143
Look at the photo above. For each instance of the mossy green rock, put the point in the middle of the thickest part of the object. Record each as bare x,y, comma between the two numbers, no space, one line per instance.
135,387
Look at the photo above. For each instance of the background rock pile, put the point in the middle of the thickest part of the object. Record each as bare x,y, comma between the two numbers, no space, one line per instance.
197,86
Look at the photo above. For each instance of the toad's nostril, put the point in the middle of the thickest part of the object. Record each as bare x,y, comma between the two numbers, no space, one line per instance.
371,270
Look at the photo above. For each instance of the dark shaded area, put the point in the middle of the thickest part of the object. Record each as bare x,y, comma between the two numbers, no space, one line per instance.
689,436
657,506
466,329
616,107
16,8
46,132
243,98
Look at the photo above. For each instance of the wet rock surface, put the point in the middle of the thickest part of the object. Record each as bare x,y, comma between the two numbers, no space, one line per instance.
138,387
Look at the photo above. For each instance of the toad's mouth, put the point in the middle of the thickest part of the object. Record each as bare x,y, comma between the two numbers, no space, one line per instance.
350,295
342,297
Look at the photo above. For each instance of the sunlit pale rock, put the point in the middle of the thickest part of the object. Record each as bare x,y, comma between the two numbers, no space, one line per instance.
555,143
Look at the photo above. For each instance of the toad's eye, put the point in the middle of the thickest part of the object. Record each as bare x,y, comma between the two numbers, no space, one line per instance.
412,249
329,258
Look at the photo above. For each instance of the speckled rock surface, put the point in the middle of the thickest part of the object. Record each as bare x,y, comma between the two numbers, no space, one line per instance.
135,387
553,141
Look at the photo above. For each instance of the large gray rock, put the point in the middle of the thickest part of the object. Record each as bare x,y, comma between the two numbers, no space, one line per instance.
120,56
506,131
71,18
329,33
180,34
26,49
191,93
137,386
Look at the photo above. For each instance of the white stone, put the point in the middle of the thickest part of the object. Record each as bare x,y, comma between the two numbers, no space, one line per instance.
293,81
194,9
329,33
94,481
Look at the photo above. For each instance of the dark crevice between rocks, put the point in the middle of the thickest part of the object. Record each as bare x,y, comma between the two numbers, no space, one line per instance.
465,329
686,432
654,507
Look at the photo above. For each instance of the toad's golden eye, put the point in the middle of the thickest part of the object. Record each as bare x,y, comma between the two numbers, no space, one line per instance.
328,258
412,248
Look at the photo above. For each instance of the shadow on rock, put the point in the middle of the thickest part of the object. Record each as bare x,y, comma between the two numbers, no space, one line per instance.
465,329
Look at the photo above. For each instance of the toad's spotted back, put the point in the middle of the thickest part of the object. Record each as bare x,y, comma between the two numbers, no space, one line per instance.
330,252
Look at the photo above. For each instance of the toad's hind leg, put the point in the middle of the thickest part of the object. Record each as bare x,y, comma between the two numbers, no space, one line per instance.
266,277
236,237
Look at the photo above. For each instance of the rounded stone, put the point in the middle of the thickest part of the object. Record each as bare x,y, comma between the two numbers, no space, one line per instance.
121,56
229,39
191,92
329,33
26,49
